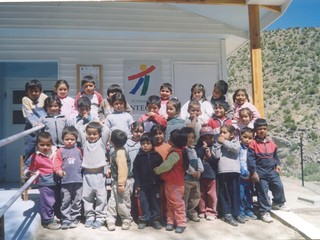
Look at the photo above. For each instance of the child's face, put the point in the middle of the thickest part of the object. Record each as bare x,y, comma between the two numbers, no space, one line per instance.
136,133
219,111
44,145
118,106
83,111
62,91
261,132
216,93
69,140
226,134
245,118
246,138
53,109
191,139
33,93
171,110
152,108
208,139
89,88
92,135
240,98
146,146
159,136
197,95
165,93
194,111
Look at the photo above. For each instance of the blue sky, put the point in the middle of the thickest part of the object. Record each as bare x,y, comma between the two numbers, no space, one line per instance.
300,13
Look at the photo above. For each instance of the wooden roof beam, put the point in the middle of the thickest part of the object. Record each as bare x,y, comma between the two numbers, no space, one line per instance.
224,2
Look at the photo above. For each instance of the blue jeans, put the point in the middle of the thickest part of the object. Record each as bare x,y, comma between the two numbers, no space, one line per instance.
246,195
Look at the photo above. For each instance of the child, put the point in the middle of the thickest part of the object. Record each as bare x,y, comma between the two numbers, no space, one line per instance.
220,89
198,93
246,185
120,199
106,107
172,170
147,183
61,90
245,119
174,121
42,161
54,122
191,194
241,100
94,163
194,110
32,109
67,166
264,168
88,86
165,95
208,184
152,116
119,118
227,151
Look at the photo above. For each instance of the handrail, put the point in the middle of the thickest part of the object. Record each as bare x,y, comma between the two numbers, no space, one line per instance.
17,136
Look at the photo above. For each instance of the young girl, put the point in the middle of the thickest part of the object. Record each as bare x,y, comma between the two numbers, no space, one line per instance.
174,121
241,100
227,151
42,161
245,119
198,93
165,95
119,118
172,170
61,89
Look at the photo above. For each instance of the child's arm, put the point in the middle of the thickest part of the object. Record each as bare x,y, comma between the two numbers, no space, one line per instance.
277,159
105,135
159,119
252,167
233,146
57,165
166,165
121,162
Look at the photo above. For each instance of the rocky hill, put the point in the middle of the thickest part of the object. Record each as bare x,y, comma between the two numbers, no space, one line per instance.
291,78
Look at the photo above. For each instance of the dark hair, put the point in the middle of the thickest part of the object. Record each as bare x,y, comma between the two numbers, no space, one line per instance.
154,99
193,103
247,110
32,84
222,104
247,130
157,128
59,82
199,87
44,135
118,138
222,86
188,130
176,103
136,125
49,100
240,90
231,129
95,125
69,130
84,102
87,79
114,88
179,139
118,96
166,85
148,137
259,122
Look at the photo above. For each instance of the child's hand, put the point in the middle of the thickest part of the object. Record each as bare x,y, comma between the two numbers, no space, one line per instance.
155,169
120,188
108,173
151,114
220,139
61,174
277,169
196,174
85,116
255,177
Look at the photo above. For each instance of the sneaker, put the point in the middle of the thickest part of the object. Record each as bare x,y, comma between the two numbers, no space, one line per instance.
195,219
88,223
281,207
230,220
169,227
251,216
156,225
125,225
179,229
211,217
142,225
111,226
202,215
97,224
52,226
240,219
75,223
266,217
65,225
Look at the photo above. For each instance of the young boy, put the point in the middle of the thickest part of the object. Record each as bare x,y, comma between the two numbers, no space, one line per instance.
153,117
88,86
122,185
67,166
194,110
264,168
165,95
147,183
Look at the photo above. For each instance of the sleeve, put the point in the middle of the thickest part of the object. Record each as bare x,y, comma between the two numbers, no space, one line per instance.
276,157
105,135
166,165
216,150
233,146
121,162
251,160
136,172
57,163
160,120
184,111
200,165
33,164
76,100
101,111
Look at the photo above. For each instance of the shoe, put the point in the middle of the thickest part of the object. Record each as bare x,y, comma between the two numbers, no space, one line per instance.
240,219
281,207
125,225
202,215
211,217
52,226
111,226
230,220
266,217
142,225
75,223
169,227
156,225
97,224
195,219
252,216
65,225
88,223
179,229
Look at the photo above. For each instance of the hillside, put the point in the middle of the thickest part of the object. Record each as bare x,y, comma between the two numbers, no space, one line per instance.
291,76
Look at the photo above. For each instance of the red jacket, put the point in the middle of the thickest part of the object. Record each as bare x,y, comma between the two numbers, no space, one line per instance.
176,175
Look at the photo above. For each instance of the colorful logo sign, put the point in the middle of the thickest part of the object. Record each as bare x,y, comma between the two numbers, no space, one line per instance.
144,79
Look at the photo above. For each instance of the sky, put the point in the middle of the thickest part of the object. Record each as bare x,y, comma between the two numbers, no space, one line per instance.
300,13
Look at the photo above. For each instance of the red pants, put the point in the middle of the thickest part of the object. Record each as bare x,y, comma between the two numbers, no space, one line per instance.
176,212
209,199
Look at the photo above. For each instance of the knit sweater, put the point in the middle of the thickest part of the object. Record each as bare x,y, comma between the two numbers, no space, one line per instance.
119,120
33,110
132,148
173,123
120,166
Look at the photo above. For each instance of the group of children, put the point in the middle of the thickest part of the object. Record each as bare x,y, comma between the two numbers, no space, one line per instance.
175,164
